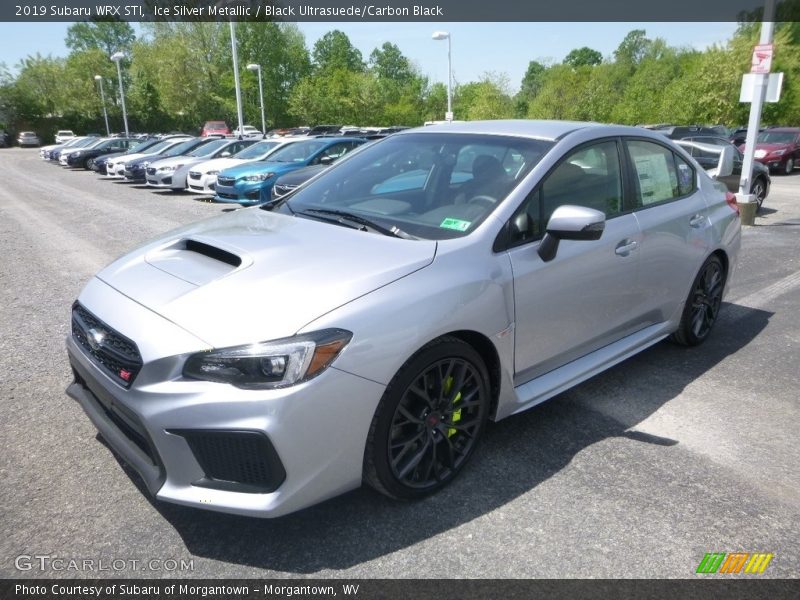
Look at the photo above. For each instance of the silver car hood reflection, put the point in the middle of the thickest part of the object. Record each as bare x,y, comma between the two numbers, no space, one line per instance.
253,275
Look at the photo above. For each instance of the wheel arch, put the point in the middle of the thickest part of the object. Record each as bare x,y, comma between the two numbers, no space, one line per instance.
483,346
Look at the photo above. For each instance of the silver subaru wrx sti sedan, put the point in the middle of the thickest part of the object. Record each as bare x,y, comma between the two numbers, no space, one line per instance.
366,326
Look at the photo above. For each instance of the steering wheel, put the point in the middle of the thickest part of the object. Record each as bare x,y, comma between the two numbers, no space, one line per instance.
483,200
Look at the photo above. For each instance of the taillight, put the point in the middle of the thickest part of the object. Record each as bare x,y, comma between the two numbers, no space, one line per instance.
730,198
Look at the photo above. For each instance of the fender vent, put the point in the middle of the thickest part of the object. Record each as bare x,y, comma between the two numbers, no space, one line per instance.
213,252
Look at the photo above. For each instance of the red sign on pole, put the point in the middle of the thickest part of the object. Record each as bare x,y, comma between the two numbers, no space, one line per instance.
762,59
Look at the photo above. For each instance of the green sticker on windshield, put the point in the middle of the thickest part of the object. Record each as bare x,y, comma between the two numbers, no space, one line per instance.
456,224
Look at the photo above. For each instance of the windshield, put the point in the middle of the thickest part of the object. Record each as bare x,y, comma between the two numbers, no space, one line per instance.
159,147
776,137
179,149
257,150
141,147
429,185
298,152
208,148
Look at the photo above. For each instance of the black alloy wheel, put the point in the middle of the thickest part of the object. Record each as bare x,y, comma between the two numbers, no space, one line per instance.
703,305
759,190
429,421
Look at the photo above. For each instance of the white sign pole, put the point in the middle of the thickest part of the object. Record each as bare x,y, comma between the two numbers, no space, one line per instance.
759,92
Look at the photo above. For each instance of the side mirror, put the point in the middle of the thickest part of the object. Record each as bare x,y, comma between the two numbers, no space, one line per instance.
570,222
325,160
225,154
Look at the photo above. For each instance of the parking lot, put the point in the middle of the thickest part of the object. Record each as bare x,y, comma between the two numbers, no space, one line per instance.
638,472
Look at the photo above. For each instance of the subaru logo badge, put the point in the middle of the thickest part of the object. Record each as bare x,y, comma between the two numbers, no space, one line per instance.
95,338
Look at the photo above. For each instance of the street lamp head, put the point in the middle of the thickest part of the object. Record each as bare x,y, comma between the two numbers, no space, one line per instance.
117,56
441,35
253,67
97,78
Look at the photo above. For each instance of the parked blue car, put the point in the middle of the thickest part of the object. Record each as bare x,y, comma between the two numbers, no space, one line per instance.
252,183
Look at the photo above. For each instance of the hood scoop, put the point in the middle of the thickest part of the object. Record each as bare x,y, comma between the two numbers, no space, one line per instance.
195,261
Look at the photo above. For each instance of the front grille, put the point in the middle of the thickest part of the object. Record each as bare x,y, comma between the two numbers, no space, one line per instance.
227,196
112,351
225,181
194,174
151,170
242,461
282,190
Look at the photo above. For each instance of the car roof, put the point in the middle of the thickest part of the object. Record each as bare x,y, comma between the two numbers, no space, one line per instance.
782,130
541,130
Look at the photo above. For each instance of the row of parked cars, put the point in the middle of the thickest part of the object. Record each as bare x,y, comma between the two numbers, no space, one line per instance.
243,171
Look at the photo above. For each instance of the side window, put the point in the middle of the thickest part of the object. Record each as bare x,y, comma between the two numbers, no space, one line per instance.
656,173
588,177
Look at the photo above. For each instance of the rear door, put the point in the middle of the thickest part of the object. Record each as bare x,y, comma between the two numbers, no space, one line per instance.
673,217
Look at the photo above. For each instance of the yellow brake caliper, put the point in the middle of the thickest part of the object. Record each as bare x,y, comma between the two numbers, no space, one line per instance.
456,413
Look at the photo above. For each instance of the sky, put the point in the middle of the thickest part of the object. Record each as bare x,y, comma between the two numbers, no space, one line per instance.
477,48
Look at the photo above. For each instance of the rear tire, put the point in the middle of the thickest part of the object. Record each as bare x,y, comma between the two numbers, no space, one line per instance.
759,190
702,306
429,421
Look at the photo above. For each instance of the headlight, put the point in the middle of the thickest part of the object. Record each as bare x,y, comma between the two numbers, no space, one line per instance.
166,169
77,154
760,153
145,164
259,177
778,152
212,172
269,365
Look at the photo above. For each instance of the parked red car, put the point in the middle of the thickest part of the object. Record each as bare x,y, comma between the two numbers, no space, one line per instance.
216,128
778,148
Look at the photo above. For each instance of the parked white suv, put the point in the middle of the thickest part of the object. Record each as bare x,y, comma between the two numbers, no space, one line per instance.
64,135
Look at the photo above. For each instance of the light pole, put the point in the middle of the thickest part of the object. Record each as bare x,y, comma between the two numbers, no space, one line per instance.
236,79
255,67
445,35
117,57
103,97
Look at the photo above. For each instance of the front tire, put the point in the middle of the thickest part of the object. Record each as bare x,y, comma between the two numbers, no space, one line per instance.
788,167
429,421
702,306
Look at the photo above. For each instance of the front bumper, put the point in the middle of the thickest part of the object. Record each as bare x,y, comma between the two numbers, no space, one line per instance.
243,193
206,184
317,429
135,174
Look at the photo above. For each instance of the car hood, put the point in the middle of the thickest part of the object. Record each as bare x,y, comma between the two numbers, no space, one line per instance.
218,164
252,168
253,275
772,147
174,161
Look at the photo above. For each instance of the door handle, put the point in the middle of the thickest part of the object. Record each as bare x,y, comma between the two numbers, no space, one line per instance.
625,247
697,221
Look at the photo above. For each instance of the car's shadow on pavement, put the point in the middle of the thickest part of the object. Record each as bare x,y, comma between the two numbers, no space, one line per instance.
515,456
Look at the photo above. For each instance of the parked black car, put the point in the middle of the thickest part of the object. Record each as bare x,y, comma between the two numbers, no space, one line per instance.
136,170
86,158
680,132
287,183
761,180
99,164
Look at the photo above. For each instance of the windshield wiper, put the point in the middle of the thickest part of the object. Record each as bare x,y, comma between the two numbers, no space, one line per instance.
393,231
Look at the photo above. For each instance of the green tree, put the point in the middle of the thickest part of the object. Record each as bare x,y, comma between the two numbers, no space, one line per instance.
487,98
109,36
333,51
632,48
583,57
389,63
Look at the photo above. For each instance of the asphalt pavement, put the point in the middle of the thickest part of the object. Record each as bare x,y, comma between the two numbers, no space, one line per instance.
637,473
